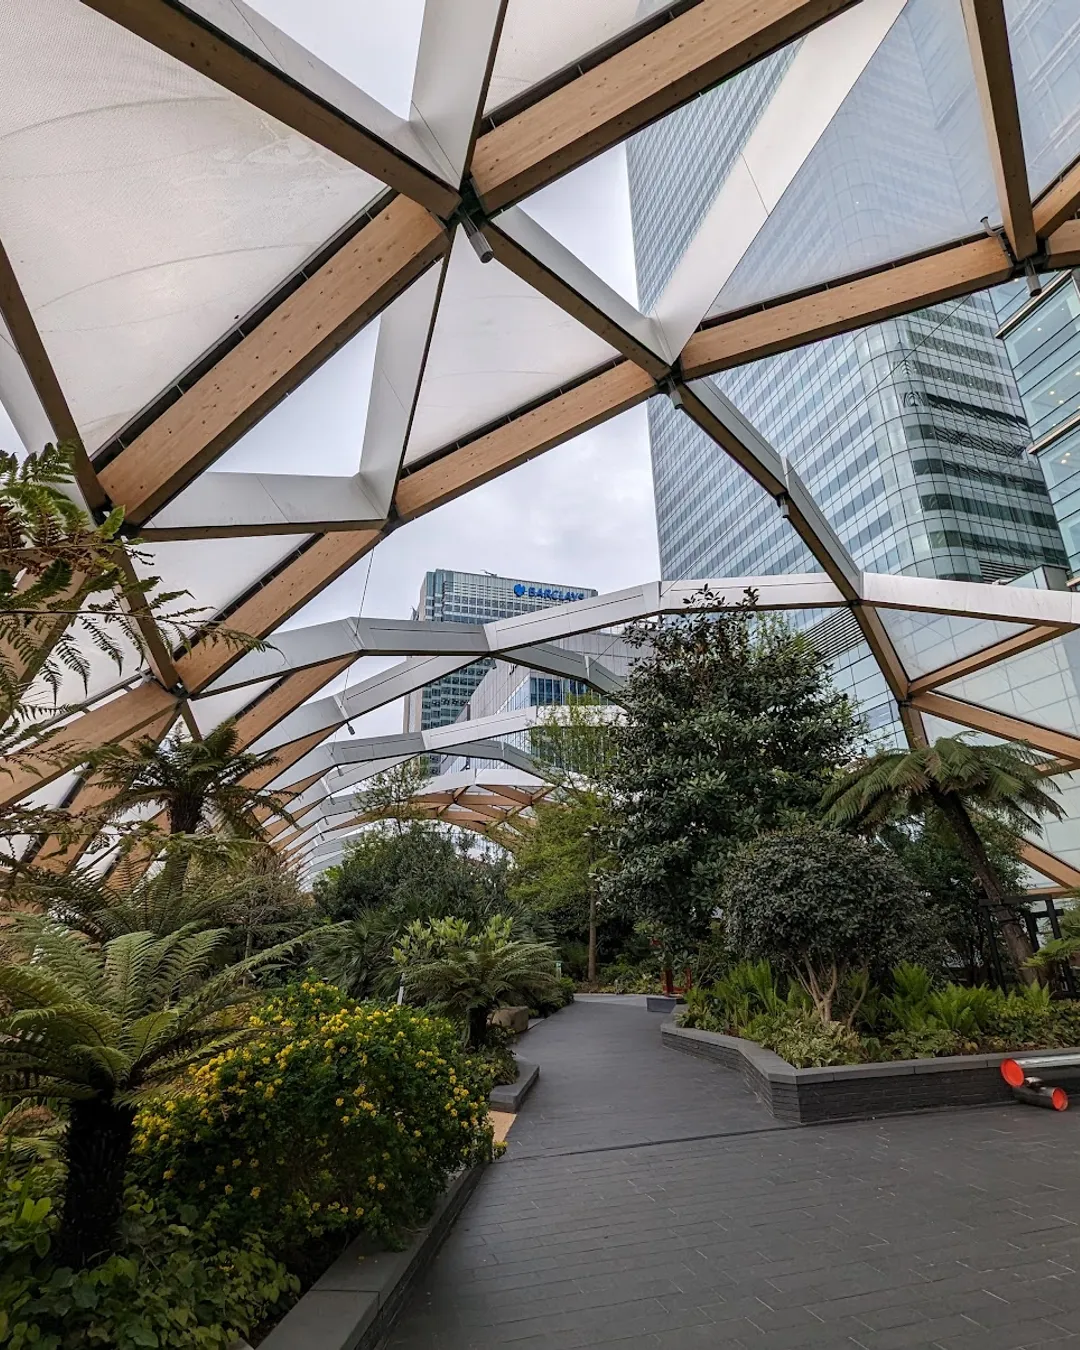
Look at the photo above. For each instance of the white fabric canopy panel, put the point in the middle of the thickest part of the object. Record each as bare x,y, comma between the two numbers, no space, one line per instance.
927,642
145,209
214,572
497,344
1044,39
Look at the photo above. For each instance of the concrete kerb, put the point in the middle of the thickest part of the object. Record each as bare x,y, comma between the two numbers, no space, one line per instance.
353,1305
848,1091
509,1096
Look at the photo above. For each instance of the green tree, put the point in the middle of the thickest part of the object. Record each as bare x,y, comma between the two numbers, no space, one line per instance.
100,1028
928,852
420,871
467,972
732,727
965,783
196,783
822,905
560,864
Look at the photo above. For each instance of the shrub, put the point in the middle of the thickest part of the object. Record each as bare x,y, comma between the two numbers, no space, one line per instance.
466,972
804,1040
821,905
337,1118
173,1285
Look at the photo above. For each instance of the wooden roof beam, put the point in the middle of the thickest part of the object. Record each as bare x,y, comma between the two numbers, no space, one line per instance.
561,418
286,592
989,656
844,306
637,85
988,41
349,290
999,724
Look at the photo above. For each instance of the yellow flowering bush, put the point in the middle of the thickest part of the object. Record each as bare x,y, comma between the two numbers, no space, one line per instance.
334,1117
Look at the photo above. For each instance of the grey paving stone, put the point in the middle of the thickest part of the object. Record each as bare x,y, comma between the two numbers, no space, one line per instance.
648,1202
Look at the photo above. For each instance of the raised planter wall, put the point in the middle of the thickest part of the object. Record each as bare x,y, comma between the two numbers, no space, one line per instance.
353,1305
848,1091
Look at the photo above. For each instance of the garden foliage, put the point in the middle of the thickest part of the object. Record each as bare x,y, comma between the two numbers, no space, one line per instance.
732,728
907,1015
335,1118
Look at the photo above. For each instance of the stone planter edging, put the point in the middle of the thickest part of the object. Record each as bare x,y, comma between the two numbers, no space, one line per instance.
509,1096
353,1305
848,1091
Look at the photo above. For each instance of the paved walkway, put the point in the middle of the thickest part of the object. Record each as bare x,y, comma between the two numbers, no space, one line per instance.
647,1199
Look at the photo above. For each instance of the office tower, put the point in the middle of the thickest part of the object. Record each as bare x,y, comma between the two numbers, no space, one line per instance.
1042,338
468,597
910,434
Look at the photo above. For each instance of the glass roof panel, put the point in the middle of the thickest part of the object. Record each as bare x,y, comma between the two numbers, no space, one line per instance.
1044,38
373,44
926,642
937,727
145,209
215,571
1041,686
901,167
497,344
319,428
1063,836
538,40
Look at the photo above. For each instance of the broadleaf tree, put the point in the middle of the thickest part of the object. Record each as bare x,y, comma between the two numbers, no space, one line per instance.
732,728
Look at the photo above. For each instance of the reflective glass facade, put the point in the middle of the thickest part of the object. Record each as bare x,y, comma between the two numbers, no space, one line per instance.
469,597
1043,342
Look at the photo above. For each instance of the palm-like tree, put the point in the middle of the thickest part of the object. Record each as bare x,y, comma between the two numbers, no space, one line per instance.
197,783
102,1027
467,973
962,781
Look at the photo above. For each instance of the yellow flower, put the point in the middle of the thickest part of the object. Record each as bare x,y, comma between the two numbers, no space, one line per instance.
219,1170
371,1180
168,1174
237,1162
340,1101
256,1191
228,1190
381,1186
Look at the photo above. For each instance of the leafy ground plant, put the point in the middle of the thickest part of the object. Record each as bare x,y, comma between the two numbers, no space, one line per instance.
174,1285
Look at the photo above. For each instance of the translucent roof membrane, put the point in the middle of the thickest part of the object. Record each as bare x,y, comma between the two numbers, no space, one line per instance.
588,212
216,708
497,344
1044,38
373,44
102,673
1041,686
901,166
1062,836
145,209
540,39
927,642
319,428
214,571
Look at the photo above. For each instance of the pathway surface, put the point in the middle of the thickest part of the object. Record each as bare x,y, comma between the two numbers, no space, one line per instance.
647,1199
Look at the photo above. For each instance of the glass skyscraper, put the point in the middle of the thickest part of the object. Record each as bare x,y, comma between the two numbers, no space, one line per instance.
1043,342
470,597
910,434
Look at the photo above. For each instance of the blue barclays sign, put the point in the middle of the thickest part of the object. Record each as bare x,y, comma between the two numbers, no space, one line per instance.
546,592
